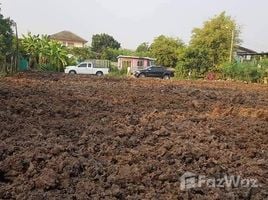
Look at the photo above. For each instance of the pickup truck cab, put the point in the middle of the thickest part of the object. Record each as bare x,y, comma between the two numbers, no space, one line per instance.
87,68
154,71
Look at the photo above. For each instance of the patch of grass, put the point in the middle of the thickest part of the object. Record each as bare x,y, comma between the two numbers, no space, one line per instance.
250,72
114,71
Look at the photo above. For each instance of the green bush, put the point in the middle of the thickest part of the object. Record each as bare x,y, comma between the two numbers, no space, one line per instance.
114,71
248,71
181,72
48,68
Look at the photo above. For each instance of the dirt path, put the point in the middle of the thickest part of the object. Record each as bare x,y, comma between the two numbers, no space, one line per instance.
79,137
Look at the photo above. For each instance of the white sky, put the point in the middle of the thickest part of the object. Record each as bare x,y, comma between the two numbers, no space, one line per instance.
132,22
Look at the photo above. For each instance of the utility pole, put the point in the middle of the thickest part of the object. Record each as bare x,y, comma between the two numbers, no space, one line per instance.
17,47
232,47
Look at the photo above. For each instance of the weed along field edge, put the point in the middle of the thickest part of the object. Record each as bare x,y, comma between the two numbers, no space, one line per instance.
82,137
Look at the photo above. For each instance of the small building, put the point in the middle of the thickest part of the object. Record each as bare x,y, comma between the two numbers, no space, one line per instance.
69,39
134,62
243,53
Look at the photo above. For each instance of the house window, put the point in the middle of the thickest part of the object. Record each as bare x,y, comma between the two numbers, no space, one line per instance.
140,63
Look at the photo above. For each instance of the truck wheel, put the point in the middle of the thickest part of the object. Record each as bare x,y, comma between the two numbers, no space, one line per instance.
72,72
141,76
166,77
99,74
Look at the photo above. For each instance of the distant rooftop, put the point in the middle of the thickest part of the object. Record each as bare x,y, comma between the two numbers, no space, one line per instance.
243,49
136,57
67,36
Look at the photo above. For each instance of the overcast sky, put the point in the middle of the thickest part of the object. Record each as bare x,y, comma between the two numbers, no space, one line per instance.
132,22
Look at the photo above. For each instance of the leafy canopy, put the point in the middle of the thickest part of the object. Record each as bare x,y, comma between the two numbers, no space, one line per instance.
6,36
210,46
112,54
44,51
82,53
166,50
102,41
143,47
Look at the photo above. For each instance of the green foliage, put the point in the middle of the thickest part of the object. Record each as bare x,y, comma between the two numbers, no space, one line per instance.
47,68
114,71
82,53
248,71
143,47
195,60
112,54
43,51
166,50
181,72
6,36
264,63
100,42
143,50
210,45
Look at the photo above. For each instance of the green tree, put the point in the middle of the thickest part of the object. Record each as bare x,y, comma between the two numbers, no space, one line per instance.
45,53
112,54
143,50
100,42
82,53
31,45
166,50
143,47
57,54
211,45
6,36
195,60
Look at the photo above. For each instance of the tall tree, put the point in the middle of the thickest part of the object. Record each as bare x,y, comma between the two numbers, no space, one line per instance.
214,43
166,50
143,50
102,41
6,36
143,47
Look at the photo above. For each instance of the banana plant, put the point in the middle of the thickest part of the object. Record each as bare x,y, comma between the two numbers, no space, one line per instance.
58,55
44,51
30,44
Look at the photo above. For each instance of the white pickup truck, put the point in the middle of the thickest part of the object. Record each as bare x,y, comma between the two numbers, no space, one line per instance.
92,67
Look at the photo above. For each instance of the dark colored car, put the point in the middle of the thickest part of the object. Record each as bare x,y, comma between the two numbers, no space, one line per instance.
154,71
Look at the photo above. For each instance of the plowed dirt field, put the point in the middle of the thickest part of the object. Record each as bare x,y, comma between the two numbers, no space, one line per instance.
82,137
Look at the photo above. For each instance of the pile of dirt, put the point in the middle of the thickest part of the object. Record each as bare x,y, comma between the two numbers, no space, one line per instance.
83,137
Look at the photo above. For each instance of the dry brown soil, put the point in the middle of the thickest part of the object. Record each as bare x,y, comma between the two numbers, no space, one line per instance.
83,137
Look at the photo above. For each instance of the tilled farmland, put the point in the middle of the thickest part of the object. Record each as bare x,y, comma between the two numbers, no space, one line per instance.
83,137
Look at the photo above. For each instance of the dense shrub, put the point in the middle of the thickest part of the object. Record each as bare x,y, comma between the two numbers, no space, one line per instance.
248,71
47,68
181,72
114,71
